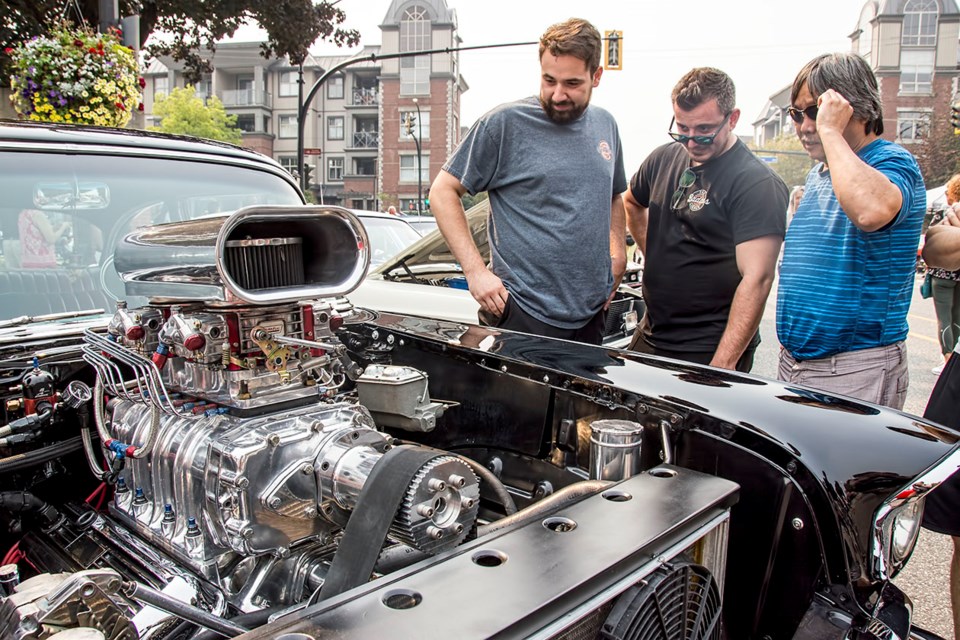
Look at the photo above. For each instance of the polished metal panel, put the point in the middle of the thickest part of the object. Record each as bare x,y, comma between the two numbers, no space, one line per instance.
250,257
532,581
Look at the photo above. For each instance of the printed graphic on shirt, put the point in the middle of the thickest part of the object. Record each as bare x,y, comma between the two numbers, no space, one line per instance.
604,149
698,200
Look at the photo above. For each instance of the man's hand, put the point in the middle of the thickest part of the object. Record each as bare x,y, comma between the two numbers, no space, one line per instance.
834,112
488,290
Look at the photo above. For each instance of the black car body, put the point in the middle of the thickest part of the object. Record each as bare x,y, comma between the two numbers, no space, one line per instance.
234,446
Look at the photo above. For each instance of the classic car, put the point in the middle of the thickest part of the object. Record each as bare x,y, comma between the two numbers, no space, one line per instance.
235,449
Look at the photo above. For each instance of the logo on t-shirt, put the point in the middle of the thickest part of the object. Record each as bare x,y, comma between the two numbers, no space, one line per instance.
604,149
698,200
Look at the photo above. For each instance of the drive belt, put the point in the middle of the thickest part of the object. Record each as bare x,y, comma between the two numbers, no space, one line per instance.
366,531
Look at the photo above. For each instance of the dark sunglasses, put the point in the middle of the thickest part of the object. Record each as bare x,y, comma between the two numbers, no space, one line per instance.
682,139
797,114
687,178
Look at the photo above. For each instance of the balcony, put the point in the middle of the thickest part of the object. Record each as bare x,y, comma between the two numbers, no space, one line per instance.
365,140
363,97
246,98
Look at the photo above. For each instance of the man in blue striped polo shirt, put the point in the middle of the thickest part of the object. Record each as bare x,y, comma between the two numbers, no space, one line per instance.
850,251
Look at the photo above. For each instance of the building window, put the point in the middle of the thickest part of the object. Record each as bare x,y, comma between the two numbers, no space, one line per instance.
335,169
247,122
289,163
415,35
365,166
420,129
916,71
288,127
335,128
912,126
408,167
335,87
288,83
920,23
161,86
204,88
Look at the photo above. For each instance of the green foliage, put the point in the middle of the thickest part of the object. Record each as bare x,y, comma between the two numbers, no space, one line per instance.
939,153
75,76
292,26
792,163
182,112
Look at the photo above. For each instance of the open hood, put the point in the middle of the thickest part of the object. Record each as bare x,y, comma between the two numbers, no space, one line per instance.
432,249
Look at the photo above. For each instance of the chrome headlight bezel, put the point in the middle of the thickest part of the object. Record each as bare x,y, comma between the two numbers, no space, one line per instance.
897,522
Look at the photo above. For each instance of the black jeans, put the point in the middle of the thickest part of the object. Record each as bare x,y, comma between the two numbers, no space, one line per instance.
640,345
516,319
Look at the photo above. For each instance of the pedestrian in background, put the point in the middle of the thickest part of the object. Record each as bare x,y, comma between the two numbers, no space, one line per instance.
848,269
708,217
941,510
553,168
946,288
796,195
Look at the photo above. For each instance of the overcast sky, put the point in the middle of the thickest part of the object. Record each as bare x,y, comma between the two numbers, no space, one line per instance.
760,43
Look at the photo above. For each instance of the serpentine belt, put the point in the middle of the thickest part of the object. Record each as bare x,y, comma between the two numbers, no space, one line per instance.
370,521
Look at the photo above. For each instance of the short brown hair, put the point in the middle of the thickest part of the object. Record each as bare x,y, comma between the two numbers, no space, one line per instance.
953,188
702,84
575,37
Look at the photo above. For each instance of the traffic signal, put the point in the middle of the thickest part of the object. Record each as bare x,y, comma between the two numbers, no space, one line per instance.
308,174
426,203
613,50
955,117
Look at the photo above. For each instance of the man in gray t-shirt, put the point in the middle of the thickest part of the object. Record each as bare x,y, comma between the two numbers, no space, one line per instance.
553,169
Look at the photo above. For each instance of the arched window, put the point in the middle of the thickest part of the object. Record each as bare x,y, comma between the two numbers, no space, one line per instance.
920,23
415,35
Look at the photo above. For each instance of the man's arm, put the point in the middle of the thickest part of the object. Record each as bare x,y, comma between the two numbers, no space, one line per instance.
868,197
756,260
485,287
618,244
942,245
637,216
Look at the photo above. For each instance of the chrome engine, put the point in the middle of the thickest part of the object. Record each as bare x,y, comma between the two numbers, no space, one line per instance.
252,473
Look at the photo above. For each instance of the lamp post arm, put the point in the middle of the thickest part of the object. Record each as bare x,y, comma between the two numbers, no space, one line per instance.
370,57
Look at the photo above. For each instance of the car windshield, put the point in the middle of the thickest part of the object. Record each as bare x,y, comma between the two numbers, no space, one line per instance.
62,215
388,237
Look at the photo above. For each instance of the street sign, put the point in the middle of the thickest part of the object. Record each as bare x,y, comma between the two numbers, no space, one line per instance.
312,152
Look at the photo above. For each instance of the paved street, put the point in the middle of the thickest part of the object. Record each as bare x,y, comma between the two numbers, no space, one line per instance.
926,577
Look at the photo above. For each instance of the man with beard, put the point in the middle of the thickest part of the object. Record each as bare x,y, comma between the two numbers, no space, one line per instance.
708,217
553,168
849,258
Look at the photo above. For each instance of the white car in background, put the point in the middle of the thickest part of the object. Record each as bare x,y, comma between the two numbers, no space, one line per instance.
425,279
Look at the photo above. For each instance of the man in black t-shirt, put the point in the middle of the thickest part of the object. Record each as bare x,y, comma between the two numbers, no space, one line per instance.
709,218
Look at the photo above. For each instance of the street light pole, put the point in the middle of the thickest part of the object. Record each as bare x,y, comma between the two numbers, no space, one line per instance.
419,141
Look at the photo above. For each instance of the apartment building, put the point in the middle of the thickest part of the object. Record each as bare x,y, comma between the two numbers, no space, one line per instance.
914,49
376,132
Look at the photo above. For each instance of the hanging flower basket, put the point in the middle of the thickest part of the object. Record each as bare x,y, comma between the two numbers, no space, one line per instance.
76,76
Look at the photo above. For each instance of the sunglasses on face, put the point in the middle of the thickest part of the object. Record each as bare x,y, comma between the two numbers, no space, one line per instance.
797,114
699,139
687,178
